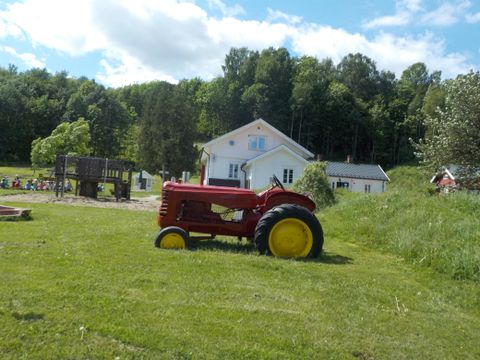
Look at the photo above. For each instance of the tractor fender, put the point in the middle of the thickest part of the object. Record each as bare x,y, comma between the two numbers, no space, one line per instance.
288,197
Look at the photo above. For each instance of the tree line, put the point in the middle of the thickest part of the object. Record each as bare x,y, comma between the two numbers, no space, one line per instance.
333,110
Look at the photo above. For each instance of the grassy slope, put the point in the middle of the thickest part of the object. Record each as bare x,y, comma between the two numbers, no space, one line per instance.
441,232
87,283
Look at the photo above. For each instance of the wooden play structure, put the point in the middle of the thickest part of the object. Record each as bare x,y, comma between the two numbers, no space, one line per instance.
88,172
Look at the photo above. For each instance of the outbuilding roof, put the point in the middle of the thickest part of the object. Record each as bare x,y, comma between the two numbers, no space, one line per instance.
356,171
145,175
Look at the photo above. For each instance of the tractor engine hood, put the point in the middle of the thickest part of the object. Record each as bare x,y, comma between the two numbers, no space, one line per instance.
233,198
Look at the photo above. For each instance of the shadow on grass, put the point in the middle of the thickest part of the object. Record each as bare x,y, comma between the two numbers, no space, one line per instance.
30,316
218,245
332,258
244,247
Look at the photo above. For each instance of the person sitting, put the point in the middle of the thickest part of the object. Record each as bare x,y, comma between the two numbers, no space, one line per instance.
68,186
28,185
4,183
17,183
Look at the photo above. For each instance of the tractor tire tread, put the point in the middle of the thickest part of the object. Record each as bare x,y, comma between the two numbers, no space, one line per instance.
272,216
172,229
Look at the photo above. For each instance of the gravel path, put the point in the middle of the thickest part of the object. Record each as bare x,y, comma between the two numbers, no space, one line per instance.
149,203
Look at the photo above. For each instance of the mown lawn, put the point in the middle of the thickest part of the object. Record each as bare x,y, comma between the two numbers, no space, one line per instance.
87,283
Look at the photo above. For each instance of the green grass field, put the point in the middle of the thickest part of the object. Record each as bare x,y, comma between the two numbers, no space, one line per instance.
441,232
78,282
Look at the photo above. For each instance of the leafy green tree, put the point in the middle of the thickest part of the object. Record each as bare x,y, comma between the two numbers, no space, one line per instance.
109,118
130,144
360,74
67,139
453,135
314,182
311,79
269,96
167,131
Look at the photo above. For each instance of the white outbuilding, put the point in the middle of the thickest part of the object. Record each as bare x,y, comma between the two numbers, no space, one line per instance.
143,181
364,178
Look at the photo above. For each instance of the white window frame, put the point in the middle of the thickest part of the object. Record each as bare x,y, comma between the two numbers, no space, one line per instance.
287,176
254,142
233,171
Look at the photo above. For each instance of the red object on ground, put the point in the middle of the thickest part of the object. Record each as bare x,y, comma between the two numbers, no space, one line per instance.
14,212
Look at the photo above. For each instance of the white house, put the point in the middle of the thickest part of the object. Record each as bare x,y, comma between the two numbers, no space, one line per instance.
250,155
363,178
143,181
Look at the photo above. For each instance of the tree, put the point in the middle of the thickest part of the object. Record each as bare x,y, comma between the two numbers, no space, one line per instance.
360,74
314,182
67,139
167,131
269,96
453,134
108,117
311,79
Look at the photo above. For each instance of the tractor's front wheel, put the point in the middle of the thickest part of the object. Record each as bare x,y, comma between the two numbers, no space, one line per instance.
172,237
289,230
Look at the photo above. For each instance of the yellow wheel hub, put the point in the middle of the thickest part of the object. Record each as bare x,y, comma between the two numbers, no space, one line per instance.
290,237
172,241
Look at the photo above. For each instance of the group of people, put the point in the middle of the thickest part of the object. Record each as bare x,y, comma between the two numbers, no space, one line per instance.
32,184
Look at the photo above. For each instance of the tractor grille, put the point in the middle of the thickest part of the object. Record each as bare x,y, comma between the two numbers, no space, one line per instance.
164,204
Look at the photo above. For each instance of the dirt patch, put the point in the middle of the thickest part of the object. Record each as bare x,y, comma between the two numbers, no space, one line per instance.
149,203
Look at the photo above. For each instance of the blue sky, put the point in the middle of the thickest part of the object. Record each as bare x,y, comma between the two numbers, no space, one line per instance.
118,42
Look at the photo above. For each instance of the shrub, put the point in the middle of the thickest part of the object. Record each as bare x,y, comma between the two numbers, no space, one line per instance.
314,182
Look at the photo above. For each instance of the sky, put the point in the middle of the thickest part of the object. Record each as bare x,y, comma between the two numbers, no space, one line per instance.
120,42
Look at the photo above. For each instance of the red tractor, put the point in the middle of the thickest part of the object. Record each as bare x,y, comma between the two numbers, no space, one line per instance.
280,222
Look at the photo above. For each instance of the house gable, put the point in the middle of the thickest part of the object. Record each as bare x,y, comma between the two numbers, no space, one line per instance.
280,150
237,143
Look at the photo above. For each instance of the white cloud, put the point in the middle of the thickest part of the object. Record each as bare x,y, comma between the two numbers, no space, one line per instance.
274,15
447,14
399,19
129,71
29,59
405,10
169,40
473,18
390,52
59,24
9,29
413,6
226,10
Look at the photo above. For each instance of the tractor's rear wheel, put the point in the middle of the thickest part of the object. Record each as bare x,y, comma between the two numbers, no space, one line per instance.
289,230
172,237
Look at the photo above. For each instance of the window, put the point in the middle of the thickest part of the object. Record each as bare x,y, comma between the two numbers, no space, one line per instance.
333,185
233,171
257,142
367,188
261,143
287,176
342,185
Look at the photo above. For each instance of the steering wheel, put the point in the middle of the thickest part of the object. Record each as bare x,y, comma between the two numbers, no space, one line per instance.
276,182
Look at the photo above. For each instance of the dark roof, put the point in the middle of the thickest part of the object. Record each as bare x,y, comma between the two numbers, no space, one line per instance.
357,171
461,170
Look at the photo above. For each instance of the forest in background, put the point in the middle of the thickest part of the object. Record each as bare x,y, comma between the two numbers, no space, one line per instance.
333,110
